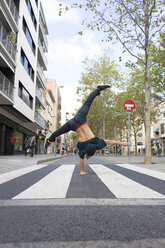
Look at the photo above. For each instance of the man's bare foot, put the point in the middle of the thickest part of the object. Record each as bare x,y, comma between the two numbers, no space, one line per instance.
83,173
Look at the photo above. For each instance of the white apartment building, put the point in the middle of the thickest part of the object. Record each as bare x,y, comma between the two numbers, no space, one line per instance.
23,45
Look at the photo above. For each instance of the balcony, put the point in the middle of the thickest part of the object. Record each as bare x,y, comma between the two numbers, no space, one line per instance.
13,9
41,74
7,44
40,97
41,122
6,90
43,56
43,31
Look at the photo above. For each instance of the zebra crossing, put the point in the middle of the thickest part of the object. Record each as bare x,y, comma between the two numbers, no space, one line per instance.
121,186
54,185
62,180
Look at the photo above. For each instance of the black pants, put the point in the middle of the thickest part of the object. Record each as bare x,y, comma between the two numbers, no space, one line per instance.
79,118
11,149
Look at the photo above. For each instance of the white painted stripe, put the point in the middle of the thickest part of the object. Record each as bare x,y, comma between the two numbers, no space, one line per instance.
82,202
54,185
16,173
149,172
121,186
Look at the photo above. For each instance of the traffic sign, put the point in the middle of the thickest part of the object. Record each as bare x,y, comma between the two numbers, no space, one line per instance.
129,105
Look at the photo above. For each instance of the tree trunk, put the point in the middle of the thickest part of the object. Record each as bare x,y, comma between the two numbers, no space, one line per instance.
135,135
147,159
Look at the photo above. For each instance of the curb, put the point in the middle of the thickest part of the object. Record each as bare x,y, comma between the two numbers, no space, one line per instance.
50,159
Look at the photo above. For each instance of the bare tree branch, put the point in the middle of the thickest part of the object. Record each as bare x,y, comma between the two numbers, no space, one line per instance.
117,35
133,17
152,7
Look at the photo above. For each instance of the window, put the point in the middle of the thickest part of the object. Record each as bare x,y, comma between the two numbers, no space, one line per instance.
27,65
25,96
140,127
36,2
140,135
28,36
31,13
162,126
140,143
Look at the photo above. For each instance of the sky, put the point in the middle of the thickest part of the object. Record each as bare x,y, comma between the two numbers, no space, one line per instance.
67,49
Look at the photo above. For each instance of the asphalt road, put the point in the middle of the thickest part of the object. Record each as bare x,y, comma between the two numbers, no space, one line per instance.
52,206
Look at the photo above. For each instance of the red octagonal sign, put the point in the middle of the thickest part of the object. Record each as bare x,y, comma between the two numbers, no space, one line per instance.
129,105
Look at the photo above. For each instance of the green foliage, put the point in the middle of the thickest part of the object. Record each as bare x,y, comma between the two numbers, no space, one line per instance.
158,70
74,137
13,38
99,71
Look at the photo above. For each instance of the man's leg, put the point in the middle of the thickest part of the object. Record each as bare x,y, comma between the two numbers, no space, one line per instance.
86,106
64,129
82,113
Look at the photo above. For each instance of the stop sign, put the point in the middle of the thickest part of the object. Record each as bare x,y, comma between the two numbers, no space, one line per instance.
129,105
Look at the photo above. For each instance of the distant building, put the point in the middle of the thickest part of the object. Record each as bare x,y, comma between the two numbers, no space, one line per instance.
23,45
53,110
157,135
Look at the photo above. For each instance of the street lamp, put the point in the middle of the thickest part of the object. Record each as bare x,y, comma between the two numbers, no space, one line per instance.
66,116
66,134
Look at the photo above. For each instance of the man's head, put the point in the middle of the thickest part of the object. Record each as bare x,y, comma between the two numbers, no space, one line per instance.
90,150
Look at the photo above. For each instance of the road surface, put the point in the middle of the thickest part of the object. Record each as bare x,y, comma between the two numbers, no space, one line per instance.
50,205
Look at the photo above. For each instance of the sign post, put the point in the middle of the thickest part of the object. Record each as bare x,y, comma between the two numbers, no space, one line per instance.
129,105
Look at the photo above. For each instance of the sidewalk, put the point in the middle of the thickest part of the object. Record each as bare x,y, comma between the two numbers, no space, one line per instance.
14,162
158,163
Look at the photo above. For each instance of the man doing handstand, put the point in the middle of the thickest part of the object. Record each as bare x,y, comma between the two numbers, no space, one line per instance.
87,142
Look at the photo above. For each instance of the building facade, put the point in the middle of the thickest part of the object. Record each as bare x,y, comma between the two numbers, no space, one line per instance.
53,111
157,137
23,47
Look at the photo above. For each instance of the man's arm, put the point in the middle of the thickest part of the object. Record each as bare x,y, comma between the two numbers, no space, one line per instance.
114,142
81,164
82,172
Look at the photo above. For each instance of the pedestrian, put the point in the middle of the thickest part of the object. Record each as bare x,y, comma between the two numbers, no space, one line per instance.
75,151
87,142
26,145
11,143
32,144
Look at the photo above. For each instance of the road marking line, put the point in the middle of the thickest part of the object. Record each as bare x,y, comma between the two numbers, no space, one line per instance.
121,186
149,172
54,185
83,202
16,173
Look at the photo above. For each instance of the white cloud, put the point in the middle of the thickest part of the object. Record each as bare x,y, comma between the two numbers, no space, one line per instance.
64,53
92,47
72,52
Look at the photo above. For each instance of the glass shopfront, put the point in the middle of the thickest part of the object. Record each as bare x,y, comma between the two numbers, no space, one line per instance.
19,141
8,127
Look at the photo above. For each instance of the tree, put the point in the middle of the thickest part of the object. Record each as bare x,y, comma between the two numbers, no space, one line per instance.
135,93
136,25
100,70
157,75
158,71
74,138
